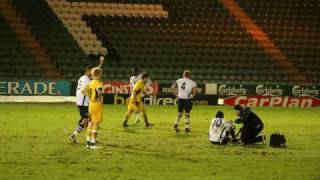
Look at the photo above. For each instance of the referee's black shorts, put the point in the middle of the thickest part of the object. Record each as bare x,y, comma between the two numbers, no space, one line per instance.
184,105
83,110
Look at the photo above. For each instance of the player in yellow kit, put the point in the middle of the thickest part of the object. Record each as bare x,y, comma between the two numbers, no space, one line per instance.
136,101
82,101
94,90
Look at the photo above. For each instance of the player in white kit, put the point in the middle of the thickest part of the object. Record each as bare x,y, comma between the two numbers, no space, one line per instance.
82,101
185,89
221,131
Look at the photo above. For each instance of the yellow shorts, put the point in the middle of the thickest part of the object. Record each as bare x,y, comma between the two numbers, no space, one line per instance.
138,106
95,115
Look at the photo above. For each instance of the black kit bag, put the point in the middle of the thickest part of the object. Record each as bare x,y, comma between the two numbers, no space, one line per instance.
277,140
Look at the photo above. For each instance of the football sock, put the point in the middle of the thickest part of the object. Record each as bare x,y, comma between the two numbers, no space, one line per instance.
125,122
92,142
88,139
78,129
94,131
89,128
80,120
94,134
187,120
232,133
137,116
258,139
145,119
127,118
178,118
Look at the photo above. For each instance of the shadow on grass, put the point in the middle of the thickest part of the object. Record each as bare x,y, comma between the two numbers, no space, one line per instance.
183,135
136,128
265,146
255,146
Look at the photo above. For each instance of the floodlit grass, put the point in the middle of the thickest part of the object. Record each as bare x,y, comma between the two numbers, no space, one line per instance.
34,145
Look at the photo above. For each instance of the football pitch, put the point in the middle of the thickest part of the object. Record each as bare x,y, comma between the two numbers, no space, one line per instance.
34,145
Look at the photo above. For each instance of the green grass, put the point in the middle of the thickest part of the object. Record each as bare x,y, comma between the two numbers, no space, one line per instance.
34,145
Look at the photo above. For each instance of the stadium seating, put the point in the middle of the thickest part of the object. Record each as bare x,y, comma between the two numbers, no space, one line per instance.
54,37
15,61
200,36
164,37
294,26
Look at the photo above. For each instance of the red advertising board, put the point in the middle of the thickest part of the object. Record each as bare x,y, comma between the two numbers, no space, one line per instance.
118,87
273,101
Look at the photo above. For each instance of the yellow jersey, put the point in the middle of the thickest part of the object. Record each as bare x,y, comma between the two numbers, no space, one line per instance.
138,90
95,91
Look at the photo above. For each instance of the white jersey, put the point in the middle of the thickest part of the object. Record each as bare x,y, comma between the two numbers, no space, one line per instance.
217,130
134,80
185,87
82,100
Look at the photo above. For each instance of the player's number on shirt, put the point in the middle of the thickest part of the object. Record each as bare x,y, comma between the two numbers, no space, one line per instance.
98,94
183,86
217,123
79,85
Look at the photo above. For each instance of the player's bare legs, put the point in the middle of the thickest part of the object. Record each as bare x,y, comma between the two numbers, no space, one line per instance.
128,115
137,114
144,114
83,123
88,132
233,135
145,117
176,123
92,135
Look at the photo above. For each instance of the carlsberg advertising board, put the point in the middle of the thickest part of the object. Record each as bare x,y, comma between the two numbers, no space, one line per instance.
267,90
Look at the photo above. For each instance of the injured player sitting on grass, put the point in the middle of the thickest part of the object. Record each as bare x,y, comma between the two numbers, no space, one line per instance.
221,131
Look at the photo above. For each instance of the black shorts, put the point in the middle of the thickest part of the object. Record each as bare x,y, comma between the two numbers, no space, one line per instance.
249,134
83,110
184,105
